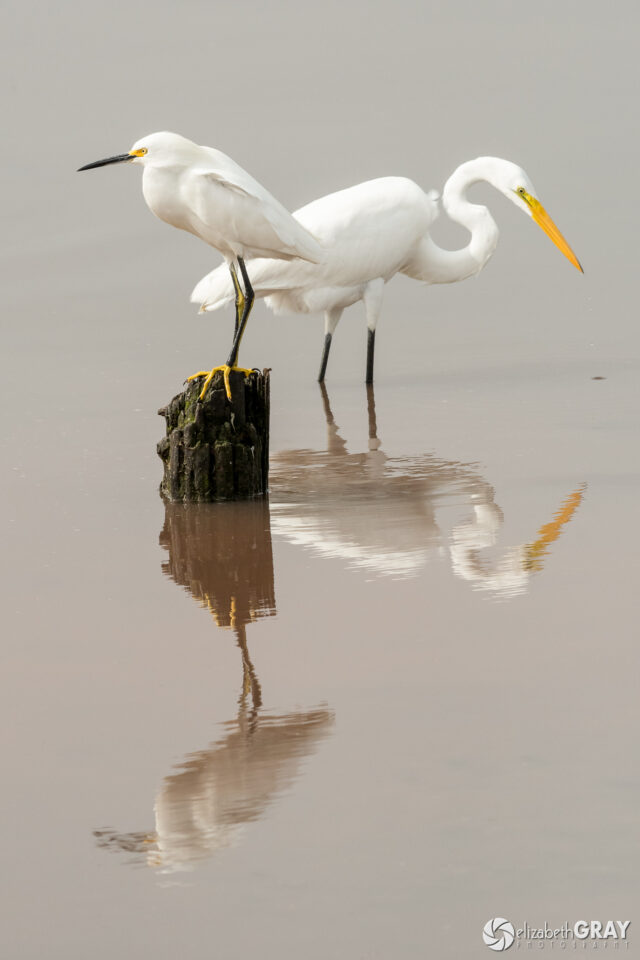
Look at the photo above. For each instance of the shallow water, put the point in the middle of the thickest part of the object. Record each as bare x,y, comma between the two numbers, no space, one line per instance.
403,685
398,698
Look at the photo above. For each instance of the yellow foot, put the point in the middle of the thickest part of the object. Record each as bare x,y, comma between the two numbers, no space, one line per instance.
226,369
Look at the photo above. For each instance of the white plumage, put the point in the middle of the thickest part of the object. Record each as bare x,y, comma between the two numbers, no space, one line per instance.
201,190
356,254
374,230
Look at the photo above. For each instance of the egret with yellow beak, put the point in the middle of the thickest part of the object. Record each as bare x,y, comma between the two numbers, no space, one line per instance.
379,228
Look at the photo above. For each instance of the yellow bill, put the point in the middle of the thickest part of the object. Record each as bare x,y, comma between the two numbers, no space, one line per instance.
535,552
543,220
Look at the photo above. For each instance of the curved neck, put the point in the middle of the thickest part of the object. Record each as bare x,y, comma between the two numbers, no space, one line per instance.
432,263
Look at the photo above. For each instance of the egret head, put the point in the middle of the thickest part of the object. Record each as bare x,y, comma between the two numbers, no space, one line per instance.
514,183
156,146
162,147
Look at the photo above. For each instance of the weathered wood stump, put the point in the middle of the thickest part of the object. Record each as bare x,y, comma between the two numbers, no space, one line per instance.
217,449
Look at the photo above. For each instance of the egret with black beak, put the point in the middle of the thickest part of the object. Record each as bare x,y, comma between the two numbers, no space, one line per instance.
201,190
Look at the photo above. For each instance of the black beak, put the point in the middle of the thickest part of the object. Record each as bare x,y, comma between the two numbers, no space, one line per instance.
103,163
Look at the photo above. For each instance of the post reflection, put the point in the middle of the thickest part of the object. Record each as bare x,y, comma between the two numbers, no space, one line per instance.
386,516
380,514
221,554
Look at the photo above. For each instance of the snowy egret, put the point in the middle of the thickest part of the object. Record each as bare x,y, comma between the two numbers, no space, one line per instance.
204,192
379,228
207,802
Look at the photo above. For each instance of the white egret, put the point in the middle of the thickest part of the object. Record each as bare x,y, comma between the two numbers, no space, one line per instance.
390,516
206,804
204,192
379,228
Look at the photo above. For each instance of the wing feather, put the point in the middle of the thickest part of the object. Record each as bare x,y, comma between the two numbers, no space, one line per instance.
265,214
369,230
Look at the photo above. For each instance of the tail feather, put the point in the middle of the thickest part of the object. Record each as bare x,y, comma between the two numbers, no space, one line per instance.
267,276
215,290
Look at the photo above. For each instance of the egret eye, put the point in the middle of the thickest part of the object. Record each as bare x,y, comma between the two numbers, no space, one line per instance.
521,190
142,151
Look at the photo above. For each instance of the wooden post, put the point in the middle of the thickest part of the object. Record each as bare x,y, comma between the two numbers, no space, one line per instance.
217,449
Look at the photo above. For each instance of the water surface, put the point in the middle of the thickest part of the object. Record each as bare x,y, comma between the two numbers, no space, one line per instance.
399,698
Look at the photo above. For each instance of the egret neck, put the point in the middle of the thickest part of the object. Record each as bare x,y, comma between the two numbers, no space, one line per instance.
432,263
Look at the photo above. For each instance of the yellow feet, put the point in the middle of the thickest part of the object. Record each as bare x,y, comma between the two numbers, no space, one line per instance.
208,374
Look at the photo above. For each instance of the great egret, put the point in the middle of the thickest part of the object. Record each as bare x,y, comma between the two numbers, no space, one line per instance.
391,516
379,228
201,190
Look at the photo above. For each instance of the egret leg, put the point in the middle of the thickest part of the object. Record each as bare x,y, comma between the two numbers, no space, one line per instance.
372,306
371,344
239,296
331,321
248,304
325,357
244,302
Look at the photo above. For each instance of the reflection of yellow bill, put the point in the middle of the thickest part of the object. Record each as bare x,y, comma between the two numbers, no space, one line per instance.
536,551
544,221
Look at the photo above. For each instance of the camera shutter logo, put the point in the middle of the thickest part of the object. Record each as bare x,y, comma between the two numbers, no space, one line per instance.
498,934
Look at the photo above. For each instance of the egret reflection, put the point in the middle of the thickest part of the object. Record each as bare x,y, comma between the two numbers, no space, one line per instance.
510,574
207,803
221,554
385,515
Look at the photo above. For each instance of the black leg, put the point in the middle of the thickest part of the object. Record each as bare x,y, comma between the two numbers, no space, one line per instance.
239,297
248,289
249,297
325,357
371,344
